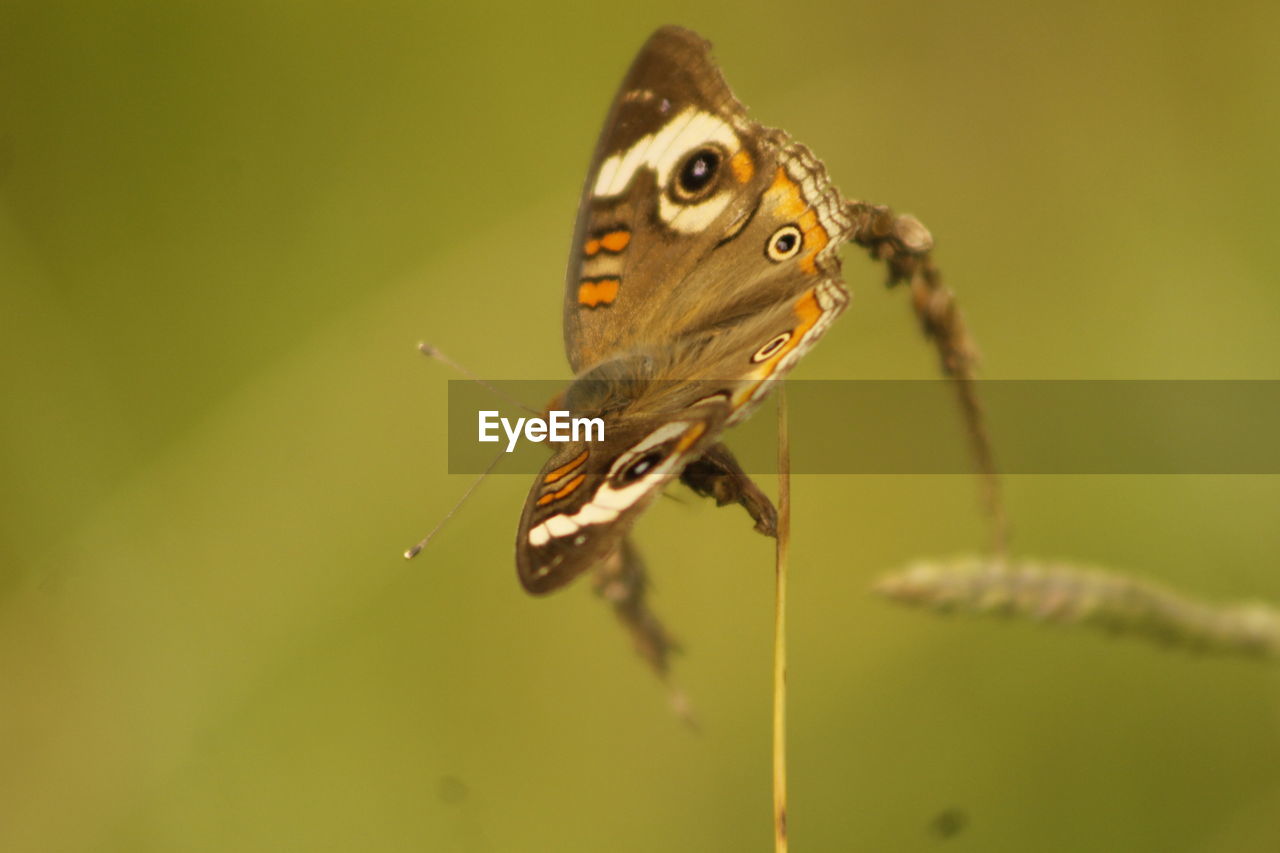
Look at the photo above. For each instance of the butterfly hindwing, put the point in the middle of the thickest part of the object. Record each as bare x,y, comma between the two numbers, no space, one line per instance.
588,495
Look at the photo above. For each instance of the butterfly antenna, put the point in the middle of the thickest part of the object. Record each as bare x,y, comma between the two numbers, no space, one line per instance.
426,540
431,351
904,244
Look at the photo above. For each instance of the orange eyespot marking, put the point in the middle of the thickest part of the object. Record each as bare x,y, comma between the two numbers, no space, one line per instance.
615,241
591,248
742,166
568,487
789,203
770,348
808,312
594,292
566,468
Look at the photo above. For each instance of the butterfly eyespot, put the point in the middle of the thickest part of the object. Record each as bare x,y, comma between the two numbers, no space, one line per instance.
771,348
696,174
784,243
640,467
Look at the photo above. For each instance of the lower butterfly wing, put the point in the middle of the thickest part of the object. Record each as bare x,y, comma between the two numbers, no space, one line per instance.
589,494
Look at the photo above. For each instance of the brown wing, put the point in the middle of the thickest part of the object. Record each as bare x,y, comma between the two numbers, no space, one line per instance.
588,495
683,200
705,249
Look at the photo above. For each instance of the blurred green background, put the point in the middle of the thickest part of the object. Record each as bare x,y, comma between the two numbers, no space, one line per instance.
224,227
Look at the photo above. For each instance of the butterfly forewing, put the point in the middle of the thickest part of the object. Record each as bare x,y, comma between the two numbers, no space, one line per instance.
680,226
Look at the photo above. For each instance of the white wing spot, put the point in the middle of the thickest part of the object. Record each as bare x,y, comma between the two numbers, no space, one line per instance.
608,502
662,151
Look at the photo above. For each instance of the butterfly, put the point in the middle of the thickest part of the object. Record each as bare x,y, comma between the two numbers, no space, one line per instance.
704,265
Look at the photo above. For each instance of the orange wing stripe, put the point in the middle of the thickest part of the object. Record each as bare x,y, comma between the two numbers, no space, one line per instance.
568,487
612,242
600,292
566,468
615,241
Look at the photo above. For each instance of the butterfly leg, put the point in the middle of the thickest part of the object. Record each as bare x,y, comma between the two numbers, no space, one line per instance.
718,475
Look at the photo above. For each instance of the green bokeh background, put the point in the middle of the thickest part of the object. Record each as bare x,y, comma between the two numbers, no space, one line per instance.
224,226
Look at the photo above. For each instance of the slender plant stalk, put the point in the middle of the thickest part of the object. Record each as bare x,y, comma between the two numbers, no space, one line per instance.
780,631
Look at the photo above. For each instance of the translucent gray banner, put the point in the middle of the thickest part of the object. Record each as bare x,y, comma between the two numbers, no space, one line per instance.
915,427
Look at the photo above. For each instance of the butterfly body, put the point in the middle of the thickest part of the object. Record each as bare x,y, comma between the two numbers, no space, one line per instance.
704,266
